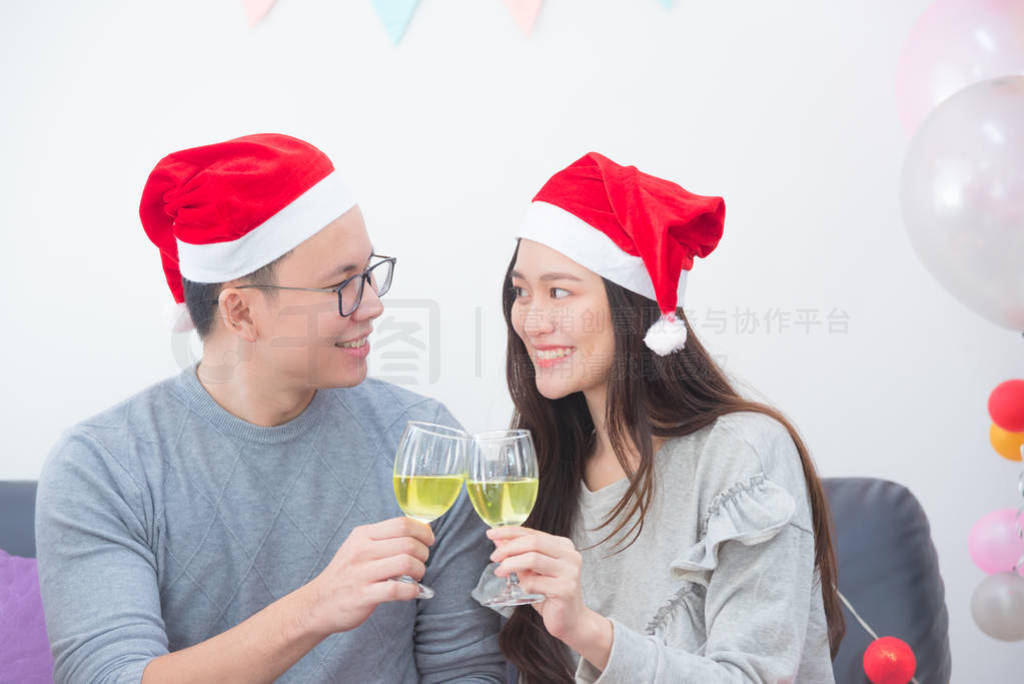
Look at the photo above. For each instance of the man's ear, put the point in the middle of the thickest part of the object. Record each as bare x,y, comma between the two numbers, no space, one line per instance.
235,308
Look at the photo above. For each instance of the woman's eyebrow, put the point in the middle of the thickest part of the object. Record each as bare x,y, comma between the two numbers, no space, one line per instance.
549,276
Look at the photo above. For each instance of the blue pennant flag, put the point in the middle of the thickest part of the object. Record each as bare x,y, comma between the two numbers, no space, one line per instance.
395,15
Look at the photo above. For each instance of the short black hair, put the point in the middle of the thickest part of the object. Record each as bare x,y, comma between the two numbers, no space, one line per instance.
201,298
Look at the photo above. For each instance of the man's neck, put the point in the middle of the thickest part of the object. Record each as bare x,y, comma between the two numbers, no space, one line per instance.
244,390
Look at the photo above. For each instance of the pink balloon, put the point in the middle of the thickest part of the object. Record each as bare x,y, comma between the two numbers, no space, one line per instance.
994,544
953,44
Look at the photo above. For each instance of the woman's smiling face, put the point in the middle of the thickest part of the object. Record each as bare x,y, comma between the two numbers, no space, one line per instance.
561,314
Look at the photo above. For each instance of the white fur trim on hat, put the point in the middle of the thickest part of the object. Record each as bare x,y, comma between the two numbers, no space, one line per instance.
181,321
220,262
667,335
575,238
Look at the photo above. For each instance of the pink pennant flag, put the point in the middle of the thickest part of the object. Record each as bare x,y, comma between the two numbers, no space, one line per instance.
524,12
255,10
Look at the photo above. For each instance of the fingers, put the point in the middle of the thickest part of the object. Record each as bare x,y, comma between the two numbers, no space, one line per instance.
394,566
398,527
391,590
548,587
358,577
536,562
505,533
397,546
549,545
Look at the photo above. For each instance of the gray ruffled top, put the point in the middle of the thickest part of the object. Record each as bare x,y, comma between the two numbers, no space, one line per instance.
720,586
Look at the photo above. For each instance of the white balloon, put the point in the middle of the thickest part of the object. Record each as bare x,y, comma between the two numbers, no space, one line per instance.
998,606
963,197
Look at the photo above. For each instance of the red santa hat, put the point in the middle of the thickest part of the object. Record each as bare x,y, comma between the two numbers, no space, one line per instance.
636,230
219,212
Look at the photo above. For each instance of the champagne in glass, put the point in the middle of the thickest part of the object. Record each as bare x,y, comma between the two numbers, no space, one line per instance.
426,497
502,486
429,469
503,503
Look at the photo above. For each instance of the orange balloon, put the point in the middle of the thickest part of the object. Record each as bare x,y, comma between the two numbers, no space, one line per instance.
1006,443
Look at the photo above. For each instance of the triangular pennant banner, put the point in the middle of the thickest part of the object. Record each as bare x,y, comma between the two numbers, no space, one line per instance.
524,12
395,15
255,10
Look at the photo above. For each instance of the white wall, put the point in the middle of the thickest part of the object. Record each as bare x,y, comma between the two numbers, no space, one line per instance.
784,108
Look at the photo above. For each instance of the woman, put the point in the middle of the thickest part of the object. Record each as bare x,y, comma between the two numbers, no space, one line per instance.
680,532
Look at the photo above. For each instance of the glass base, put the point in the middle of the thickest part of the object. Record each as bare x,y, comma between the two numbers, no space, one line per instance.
424,592
512,595
523,599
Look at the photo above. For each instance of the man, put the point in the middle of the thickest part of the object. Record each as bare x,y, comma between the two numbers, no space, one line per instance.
237,522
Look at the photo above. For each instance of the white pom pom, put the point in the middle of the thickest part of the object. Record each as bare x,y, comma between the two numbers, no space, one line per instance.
667,335
180,321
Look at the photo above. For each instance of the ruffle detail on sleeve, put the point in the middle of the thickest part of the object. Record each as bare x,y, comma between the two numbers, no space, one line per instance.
750,512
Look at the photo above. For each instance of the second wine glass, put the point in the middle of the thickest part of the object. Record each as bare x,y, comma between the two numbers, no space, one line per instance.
502,485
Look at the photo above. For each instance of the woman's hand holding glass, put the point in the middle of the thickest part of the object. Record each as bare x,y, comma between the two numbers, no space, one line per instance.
550,566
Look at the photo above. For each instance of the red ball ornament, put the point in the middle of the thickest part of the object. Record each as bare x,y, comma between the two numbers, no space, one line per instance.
889,660
1006,405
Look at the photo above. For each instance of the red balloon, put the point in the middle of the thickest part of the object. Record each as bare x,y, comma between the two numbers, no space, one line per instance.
889,660
1006,405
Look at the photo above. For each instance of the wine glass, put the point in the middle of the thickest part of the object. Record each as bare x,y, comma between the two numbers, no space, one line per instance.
502,485
429,468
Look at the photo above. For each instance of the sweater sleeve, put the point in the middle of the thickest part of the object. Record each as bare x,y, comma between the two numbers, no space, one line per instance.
97,572
756,611
457,638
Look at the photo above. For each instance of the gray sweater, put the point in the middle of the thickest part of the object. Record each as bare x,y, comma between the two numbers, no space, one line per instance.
165,521
721,585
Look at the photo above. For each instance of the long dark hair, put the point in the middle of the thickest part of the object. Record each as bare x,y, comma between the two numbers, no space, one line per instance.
648,395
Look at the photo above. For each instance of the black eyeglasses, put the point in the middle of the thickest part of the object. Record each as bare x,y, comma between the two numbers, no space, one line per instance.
350,290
